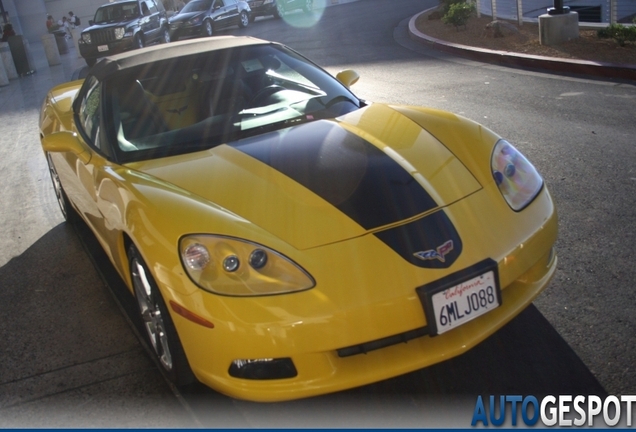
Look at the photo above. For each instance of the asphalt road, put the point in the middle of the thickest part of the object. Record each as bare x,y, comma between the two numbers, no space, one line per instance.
579,339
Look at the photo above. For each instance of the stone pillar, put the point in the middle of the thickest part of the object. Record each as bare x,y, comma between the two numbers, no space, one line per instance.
7,60
556,29
32,15
50,49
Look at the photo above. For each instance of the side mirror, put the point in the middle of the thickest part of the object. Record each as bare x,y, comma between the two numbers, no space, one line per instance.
348,77
65,142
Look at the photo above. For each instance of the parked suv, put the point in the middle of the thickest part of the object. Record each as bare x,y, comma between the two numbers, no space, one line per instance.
124,25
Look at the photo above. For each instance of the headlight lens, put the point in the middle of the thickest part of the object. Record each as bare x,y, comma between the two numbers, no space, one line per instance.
517,179
119,33
235,267
86,37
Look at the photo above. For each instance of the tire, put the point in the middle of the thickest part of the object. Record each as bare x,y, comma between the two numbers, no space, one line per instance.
208,28
139,41
308,6
244,19
279,10
165,35
62,199
157,323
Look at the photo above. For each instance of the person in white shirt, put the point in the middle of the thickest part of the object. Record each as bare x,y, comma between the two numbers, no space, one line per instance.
72,20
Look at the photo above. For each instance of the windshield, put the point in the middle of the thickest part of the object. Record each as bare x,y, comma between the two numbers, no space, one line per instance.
116,12
197,6
197,102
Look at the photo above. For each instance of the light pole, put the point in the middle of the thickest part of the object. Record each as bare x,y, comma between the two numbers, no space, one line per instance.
558,8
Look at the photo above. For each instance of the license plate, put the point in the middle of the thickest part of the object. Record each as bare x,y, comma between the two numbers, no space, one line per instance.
461,297
102,48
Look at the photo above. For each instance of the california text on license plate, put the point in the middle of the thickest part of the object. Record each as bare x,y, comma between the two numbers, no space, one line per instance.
461,297
102,48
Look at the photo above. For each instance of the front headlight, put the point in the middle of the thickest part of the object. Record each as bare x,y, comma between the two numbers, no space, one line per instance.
235,267
119,33
86,37
518,180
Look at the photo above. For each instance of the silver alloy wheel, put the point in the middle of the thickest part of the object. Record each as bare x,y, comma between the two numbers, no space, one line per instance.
151,313
280,9
139,41
209,29
244,19
57,186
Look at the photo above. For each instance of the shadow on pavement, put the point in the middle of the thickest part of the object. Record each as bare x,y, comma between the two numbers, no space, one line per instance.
526,357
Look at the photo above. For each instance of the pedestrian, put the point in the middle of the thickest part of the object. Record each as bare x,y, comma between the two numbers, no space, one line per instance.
73,20
50,24
66,27
7,31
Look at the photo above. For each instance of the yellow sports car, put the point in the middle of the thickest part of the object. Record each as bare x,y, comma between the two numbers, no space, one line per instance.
284,238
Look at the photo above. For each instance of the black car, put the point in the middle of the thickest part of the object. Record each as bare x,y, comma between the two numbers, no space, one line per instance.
123,25
205,17
277,8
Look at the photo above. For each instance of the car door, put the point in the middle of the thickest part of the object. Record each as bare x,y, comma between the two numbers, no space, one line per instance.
91,177
154,22
225,13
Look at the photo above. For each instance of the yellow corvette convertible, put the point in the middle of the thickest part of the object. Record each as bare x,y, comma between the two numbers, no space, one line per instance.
284,238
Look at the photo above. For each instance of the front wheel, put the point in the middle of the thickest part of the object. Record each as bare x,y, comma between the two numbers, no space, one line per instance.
165,36
279,11
157,322
244,20
139,41
208,28
65,207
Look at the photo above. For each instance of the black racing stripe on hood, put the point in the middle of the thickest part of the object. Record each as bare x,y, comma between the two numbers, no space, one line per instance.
345,170
429,242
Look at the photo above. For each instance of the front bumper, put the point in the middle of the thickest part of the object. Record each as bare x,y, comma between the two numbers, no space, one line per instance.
184,31
93,51
311,327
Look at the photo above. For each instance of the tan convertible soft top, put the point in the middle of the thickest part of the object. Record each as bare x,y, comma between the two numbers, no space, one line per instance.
119,62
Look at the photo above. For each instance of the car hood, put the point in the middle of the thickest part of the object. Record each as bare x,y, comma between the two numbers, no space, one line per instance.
183,17
328,180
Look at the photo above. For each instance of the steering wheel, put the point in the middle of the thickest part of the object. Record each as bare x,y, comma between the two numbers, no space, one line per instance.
264,93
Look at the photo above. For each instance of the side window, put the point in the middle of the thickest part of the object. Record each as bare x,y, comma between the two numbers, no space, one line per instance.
144,9
230,2
91,113
153,6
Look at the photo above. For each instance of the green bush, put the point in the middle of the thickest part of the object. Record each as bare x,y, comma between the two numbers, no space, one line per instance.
618,32
446,5
459,13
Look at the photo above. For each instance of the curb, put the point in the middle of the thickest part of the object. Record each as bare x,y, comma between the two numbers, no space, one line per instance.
506,58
